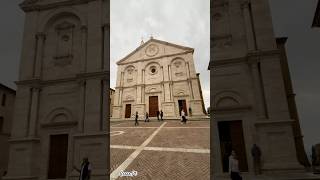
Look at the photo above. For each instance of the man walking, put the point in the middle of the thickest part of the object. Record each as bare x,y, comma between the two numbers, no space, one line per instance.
136,119
256,155
85,170
161,115
158,113
147,117
190,111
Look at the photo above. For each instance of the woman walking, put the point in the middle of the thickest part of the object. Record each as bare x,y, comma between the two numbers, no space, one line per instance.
234,167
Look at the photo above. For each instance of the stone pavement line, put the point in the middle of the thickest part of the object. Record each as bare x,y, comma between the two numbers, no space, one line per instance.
123,147
136,127
167,127
202,151
115,174
118,124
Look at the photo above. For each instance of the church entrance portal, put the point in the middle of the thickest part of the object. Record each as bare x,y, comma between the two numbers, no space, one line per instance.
153,106
182,105
231,138
58,156
128,111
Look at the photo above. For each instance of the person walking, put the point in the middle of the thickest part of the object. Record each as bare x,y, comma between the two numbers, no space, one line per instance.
256,155
183,117
136,119
147,117
85,169
234,167
190,111
158,113
161,115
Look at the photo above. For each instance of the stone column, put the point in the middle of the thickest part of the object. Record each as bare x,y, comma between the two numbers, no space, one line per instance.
82,85
106,46
34,111
189,80
143,76
40,37
162,85
248,26
260,100
105,104
83,60
171,83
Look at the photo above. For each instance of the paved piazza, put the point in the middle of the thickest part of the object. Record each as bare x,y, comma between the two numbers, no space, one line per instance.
161,150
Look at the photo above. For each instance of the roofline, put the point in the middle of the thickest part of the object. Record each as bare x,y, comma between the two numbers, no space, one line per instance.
316,19
8,88
154,40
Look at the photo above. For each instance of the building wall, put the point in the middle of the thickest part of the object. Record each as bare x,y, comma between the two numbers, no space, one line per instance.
7,98
247,84
62,80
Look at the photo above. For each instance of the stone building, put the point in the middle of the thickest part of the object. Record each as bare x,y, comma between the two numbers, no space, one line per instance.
61,106
156,76
7,97
251,93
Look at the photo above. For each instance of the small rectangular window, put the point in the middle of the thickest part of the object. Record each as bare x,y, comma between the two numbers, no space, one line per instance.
3,102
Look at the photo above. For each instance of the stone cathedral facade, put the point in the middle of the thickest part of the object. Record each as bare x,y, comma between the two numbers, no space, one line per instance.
158,76
62,92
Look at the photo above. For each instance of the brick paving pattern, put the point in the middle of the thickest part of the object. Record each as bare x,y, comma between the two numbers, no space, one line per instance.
161,150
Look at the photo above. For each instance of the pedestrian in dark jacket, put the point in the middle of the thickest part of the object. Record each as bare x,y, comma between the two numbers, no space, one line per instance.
147,117
256,155
85,169
161,115
136,119
158,113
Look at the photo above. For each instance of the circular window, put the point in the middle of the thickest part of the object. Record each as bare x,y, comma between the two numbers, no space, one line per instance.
153,70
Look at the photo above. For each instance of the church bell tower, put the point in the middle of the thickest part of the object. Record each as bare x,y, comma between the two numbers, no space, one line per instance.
61,106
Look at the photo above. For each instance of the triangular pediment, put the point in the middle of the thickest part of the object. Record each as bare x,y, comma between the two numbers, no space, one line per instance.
154,48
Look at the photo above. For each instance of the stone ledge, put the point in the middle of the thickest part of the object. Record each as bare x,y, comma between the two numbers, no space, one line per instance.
59,124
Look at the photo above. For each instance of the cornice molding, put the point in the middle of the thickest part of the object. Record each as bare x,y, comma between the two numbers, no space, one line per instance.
250,57
102,75
32,5
158,57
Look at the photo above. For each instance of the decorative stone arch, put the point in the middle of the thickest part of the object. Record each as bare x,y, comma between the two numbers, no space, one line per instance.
128,67
176,59
180,93
59,112
56,14
231,98
128,98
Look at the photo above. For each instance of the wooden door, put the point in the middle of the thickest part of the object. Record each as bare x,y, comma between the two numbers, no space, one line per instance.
153,106
238,144
182,105
128,111
58,156
231,138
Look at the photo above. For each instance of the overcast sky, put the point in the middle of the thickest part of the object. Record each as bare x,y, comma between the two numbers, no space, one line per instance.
186,22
